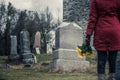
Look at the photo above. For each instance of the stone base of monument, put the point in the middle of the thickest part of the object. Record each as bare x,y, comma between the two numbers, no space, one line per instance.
68,54
67,60
13,57
70,65
28,58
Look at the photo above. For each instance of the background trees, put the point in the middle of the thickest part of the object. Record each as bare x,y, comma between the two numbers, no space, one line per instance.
2,27
12,21
76,11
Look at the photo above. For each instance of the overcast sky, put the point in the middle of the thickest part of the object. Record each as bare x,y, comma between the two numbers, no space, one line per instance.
38,5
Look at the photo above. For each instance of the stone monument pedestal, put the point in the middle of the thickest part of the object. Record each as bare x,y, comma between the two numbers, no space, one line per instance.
65,57
67,60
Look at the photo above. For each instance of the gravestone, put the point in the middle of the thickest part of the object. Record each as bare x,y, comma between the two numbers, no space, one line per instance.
27,56
37,42
51,43
49,48
65,58
13,48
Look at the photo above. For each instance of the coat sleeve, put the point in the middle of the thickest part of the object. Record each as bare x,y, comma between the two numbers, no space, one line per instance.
118,13
118,9
93,16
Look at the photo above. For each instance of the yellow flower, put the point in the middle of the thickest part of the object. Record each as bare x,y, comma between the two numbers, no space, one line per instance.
89,54
81,55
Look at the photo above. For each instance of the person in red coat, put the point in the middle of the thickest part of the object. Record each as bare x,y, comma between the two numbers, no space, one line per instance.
104,23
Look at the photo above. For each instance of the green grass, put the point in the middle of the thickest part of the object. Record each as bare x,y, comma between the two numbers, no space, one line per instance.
43,57
36,74
42,72
3,58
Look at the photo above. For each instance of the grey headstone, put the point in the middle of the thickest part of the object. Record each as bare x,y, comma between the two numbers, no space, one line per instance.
27,56
67,37
24,42
13,48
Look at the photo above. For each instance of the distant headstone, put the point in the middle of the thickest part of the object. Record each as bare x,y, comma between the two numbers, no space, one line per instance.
13,48
24,42
37,42
68,36
51,43
49,48
27,56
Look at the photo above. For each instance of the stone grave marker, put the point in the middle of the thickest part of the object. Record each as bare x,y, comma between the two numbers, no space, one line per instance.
27,56
37,42
67,37
13,48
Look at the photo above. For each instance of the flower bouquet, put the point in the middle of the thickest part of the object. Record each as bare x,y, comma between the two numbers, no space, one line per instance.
84,50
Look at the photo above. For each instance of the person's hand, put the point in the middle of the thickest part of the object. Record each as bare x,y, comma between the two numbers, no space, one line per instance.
87,40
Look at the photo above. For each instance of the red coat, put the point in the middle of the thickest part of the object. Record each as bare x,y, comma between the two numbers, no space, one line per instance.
104,22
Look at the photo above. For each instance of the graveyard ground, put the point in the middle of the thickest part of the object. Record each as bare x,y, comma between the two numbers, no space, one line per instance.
41,71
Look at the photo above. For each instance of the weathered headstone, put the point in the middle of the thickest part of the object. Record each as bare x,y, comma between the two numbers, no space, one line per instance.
49,48
13,49
37,42
68,36
27,56
51,43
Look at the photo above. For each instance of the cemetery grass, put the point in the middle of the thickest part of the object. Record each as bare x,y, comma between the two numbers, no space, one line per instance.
39,72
